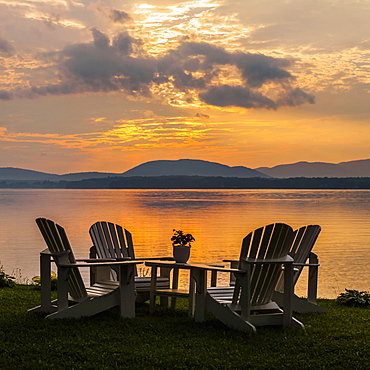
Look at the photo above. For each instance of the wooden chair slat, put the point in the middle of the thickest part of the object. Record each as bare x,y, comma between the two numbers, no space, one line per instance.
112,240
70,283
233,305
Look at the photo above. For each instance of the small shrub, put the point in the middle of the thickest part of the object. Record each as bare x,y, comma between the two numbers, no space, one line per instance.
181,239
354,298
53,278
5,279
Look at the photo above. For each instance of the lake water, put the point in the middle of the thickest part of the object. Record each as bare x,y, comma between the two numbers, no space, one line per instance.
218,219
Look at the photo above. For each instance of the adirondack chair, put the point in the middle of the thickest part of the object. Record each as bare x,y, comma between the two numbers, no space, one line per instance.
301,251
74,299
263,259
112,241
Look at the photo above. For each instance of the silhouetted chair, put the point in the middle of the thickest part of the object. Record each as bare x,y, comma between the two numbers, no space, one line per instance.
112,241
263,259
74,299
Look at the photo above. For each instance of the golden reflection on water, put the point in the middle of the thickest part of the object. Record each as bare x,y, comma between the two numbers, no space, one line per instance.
218,219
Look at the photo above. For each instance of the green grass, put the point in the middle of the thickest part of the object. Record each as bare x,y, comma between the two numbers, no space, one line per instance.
170,339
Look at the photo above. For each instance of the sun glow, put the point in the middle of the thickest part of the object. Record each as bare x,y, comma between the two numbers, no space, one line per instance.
163,27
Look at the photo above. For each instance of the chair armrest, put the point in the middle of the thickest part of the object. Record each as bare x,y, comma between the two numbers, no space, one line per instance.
156,258
98,263
306,264
216,268
229,260
281,260
97,260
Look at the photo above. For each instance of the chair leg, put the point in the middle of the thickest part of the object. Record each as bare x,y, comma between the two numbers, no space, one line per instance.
63,274
153,285
175,285
192,282
45,275
313,272
288,294
127,290
200,279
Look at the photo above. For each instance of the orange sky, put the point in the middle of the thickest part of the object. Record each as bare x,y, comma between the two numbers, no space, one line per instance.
106,85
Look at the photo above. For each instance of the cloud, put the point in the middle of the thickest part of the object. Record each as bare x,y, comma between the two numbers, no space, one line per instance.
124,43
202,71
258,69
303,25
119,16
236,96
6,47
202,115
5,95
101,40
295,97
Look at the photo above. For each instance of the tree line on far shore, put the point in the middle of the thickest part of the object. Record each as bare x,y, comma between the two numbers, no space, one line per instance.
195,182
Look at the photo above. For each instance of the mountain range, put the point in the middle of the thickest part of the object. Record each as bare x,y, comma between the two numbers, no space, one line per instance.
360,168
192,167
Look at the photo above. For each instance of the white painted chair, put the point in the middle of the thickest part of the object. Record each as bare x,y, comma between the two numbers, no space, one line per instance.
301,251
74,299
263,259
112,241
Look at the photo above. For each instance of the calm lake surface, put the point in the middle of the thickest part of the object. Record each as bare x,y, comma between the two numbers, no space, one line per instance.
218,219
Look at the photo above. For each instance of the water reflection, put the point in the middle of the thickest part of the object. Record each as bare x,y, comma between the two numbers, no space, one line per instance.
218,220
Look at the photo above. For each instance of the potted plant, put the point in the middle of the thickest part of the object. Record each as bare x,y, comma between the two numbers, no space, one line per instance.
181,243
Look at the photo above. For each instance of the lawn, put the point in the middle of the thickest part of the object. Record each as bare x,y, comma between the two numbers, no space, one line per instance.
170,339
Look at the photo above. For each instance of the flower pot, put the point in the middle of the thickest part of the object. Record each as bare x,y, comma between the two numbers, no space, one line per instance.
181,254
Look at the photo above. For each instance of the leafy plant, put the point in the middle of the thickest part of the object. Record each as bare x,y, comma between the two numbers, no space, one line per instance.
5,279
179,239
354,298
53,278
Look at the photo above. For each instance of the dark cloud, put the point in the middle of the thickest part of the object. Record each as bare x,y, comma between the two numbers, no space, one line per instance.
119,16
295,97
101,40
258,69
213,54
5,95
6,47
124,43
193,68
236,96
103,67
201,115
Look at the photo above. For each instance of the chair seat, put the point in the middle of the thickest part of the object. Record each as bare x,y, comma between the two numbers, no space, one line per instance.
255,307
143,283
102,288
74,298
113,241
224,295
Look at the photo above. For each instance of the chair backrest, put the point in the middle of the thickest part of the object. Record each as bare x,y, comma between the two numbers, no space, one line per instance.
268,242
305,239
111,240
303,243
57,241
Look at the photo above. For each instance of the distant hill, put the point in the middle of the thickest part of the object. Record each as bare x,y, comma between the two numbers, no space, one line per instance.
360,168
186,167
191,167
11,173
